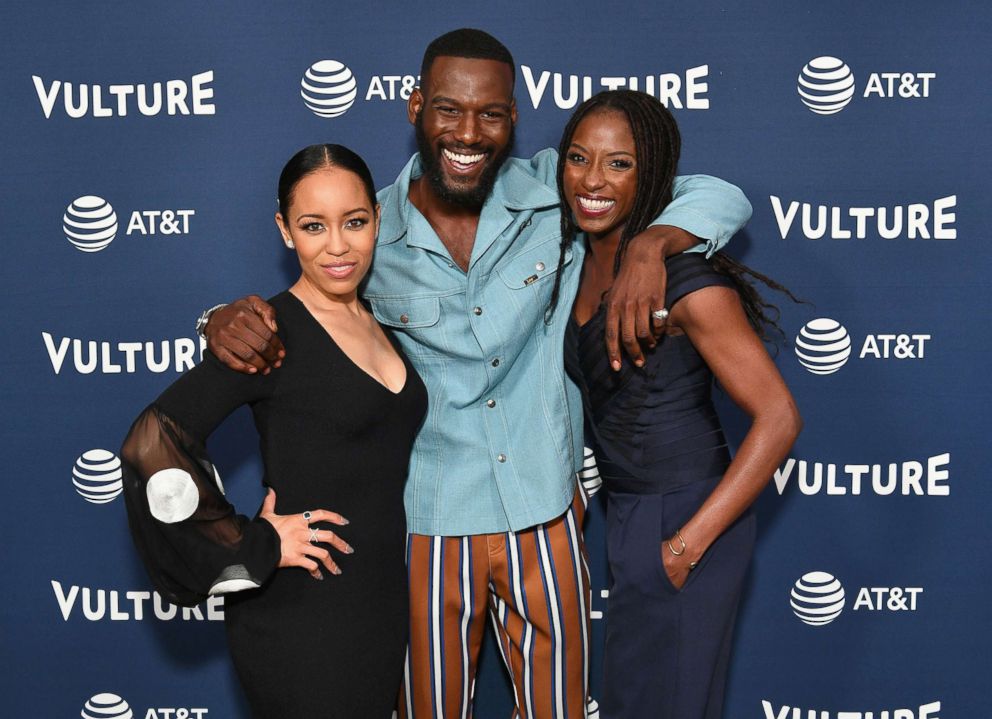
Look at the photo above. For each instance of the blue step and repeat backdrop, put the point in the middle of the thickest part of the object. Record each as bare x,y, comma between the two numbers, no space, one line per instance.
140,149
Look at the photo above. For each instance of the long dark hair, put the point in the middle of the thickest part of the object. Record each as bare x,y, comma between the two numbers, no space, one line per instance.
317,157
657,145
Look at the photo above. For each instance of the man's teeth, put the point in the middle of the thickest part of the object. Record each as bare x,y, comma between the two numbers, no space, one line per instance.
463,159
595,205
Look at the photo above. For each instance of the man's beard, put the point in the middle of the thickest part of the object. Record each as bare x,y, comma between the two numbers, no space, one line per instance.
471,198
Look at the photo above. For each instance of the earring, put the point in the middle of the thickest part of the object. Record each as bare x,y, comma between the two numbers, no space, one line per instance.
290,245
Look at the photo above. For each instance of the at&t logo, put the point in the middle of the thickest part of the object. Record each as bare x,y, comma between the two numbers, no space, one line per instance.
97,476
826,85
823,346
817,599
111,706
90,223
328,88
106,706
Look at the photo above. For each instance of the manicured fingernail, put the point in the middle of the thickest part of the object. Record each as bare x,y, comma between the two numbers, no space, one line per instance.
336,570
615,364
319,577
349,550
639,363
344,521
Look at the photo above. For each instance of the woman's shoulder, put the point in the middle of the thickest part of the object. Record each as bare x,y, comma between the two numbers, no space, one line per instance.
691,271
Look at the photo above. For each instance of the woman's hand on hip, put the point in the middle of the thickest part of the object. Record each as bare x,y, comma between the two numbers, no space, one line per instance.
300,543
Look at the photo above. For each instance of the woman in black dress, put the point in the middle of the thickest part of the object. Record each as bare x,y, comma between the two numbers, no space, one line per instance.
679,528
311,634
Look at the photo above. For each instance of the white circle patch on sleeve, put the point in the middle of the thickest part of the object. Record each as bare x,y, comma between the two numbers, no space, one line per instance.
172,495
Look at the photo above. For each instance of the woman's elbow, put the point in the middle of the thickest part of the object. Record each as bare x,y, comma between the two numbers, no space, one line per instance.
790,421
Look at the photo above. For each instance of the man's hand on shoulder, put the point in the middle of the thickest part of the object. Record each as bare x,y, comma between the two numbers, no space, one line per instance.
639,289
243,336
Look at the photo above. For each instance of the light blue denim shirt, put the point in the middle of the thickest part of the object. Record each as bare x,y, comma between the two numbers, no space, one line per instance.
502,439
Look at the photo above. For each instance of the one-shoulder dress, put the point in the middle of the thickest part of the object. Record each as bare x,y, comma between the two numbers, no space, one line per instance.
331,437
661,451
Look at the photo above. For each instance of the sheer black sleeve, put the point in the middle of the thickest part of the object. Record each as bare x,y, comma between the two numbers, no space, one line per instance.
192,541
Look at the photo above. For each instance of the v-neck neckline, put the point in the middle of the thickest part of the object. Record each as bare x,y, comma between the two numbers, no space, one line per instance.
334,343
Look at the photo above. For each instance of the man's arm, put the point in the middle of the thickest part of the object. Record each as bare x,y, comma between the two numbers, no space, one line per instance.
705,212
243,336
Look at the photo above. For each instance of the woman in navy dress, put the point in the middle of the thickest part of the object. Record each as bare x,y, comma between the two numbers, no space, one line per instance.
679,526
311,633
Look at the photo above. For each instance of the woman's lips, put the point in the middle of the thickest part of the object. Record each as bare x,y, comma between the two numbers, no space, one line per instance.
339,271
593,206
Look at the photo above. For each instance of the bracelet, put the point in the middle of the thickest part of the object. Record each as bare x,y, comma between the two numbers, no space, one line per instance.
671,548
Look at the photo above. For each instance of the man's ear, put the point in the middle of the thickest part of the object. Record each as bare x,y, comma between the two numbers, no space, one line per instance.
414,105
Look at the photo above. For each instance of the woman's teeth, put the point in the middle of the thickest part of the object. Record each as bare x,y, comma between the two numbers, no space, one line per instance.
588,203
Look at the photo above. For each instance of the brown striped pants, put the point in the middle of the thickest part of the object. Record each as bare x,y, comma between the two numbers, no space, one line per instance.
534,584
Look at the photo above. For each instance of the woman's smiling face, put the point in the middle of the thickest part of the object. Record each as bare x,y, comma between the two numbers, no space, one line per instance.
600,176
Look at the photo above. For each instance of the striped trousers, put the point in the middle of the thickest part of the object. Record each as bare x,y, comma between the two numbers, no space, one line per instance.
533,585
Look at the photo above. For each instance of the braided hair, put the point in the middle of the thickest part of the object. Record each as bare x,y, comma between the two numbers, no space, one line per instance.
657,143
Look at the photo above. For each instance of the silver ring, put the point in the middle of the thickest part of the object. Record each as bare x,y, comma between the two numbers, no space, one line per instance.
313,535
307,516
661,315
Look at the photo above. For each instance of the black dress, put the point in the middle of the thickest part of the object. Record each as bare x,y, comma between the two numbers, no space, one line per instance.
661,451
332,438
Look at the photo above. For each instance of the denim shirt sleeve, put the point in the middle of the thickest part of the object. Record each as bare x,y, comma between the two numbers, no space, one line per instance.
707,207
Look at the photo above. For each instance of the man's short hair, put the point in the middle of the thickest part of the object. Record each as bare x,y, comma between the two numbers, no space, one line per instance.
469,43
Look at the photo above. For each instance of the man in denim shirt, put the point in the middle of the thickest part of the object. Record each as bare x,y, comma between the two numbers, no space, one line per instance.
465,262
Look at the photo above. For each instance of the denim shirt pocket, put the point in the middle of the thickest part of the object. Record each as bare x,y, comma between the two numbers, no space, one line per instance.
534,265
405,313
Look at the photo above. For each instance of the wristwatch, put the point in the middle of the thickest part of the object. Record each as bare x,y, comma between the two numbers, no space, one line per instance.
201,322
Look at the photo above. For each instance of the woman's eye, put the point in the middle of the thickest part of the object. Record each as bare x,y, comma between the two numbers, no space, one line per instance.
575,157
356,223
622,164
312,227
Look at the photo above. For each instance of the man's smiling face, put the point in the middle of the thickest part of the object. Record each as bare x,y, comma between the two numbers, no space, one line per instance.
464,115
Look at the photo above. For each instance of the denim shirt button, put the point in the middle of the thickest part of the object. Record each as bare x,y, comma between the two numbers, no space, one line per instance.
539,267
477,310
496,362
490,403
404,318
501,458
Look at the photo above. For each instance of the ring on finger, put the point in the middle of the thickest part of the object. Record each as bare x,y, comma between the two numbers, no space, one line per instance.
307,516
313,535
660,315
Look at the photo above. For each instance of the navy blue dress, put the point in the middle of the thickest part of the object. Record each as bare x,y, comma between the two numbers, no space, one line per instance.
661,451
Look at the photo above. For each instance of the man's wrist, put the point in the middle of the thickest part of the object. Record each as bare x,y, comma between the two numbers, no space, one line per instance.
667,240
204,319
